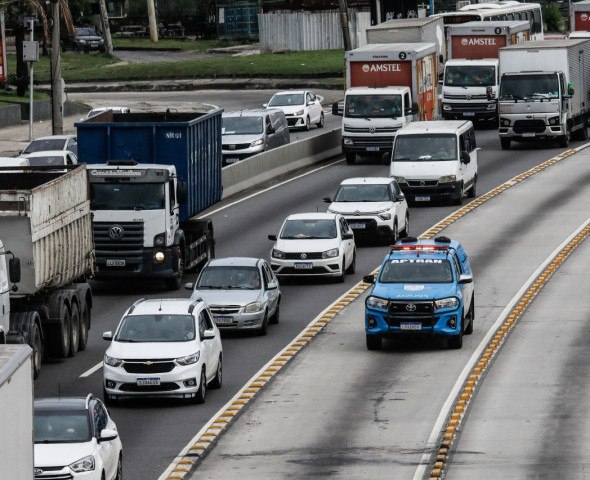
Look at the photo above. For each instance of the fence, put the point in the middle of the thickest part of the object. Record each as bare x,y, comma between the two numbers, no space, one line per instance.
310,30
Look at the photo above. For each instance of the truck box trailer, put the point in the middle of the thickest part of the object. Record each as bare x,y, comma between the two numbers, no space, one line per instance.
46,233
16,414
543,91
150,174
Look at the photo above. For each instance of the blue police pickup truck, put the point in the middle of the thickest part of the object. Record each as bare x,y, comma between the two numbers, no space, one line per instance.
423,287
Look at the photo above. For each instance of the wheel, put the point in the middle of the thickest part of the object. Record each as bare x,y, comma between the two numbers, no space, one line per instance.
218,379
352,267
564,140
74,331
176,282
472,192
456,341
373,342
119,474
393,237
84,327
276,316
320,124
202,392
263,330
459,199
406,231
307,123
350,158
37,344
340,278
62,335
470,318
505,143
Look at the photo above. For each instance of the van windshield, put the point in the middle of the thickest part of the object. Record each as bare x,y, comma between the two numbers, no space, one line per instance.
241,125
469,76
529,87
425,147
373,106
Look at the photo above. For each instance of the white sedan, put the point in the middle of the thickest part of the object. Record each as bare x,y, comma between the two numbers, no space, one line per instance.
302,108
52,142
314,244
51,158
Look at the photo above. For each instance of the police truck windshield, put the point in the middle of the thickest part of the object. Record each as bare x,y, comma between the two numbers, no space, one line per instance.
417,270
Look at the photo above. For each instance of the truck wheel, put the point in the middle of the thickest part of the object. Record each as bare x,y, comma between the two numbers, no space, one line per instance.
505,142
176,282
37,345
456,341
62,329
472,192
373,342
564,140
74,331
350,158
582,133
84,323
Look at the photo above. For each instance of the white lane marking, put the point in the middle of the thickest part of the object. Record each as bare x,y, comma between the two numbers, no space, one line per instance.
269,188
444,413
90,371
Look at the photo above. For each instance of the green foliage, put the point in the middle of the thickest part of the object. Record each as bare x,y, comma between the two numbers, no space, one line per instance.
553,18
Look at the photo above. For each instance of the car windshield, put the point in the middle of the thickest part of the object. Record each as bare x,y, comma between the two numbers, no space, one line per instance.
363,193
241,125
529,87
469,76
129,196
41,161
86,32
416,270
61,427
44,145
302,229
286,100
373,106
245,278
425,147
156,328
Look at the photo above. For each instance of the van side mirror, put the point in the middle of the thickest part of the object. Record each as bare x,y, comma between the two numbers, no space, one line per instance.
337,109
465,158
272,237
413,110
181,192
14,270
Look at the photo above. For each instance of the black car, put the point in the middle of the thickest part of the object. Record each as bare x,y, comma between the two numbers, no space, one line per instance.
85,40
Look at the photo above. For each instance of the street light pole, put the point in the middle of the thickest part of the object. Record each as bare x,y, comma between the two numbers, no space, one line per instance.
32,20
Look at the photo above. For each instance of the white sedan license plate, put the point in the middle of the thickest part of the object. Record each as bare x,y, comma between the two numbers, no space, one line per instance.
410,326
528,134
372,149
143,381
115,262
303,266
223,320
469,114
356,226
423,199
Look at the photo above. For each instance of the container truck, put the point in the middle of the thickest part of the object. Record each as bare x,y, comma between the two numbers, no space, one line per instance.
389,85
544,88
16,413
580,16
471,75
46,255
150,174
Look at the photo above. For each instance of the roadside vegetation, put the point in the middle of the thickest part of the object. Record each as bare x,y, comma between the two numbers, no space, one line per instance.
167,44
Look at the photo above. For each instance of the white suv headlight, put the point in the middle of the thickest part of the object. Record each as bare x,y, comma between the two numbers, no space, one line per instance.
85,464
112,362
332,253
253,307
377,302
189,359
385,216
449,302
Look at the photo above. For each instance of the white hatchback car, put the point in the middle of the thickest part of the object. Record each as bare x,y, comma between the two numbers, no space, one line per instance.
51,158
314,244
302,108
52,142
163,347
372,206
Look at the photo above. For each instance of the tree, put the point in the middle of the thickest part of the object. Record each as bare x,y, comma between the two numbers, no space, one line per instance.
553,18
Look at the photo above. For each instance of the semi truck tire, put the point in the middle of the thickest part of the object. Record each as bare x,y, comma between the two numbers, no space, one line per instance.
28,325
175,283
61,333
84,326
74,330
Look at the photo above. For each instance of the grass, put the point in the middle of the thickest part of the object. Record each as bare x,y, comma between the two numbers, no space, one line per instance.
167,43
7,98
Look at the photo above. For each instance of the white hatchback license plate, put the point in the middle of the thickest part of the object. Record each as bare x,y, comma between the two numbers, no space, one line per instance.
115,263
469,114
357,225
223,320
303,266
372,149
423,199
148,381
528,134
410,326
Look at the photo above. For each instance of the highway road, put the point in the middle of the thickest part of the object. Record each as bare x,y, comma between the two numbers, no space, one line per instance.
153,432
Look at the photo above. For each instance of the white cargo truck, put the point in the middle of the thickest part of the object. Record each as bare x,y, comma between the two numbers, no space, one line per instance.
16,414
46,255
544,88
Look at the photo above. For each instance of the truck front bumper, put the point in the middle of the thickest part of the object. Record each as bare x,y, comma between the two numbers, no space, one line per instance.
469,111
368,145
426,191
520,128
143,264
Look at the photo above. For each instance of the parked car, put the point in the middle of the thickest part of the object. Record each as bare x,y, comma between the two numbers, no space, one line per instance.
163,347
14,162
97,111
248,132
53,142
242,293
85,40
372,206
51,158
302,108
75,438
314,244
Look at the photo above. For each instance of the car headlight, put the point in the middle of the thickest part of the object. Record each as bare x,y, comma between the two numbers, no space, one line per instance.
504,122
399,179
347,141
384,214
554,120
160,240
255,143
189,359
491,106
447,179
277,253
85,464
299,113
449,302
82,40
112,362
447,107
159,257
376,302
330,253
253,307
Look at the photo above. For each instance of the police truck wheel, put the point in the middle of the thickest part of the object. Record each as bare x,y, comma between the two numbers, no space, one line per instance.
456,341
373,342
470,318
505,143
350,158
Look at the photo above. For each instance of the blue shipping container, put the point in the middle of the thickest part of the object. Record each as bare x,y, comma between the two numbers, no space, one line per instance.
189,141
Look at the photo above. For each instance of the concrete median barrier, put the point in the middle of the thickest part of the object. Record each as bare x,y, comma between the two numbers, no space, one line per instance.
288,158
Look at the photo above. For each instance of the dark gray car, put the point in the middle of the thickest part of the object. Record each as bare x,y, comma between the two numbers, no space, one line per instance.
85,39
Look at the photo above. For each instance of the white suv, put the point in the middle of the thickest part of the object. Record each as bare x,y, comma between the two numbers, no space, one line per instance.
314,244
163,347
372,206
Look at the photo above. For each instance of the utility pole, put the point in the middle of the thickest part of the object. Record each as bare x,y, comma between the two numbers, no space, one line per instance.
106,29
343,7
57,101
152,21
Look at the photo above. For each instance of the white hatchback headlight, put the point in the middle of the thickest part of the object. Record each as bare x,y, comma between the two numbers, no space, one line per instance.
112,362
85,464
189,359
332,253
449,302
299,113
253,307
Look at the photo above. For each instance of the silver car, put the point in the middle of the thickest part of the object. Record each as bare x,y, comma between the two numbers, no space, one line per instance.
242,293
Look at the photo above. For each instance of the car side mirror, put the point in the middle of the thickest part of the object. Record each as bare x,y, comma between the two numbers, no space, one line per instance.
440,81
464,278
107,435
465,158
369,279
14,270
400,198
347,236
209,335
265,105
336,109
327,200
189,286
107,336
272,285
182,192
415,108
272,237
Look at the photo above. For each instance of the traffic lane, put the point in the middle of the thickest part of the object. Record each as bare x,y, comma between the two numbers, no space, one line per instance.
340,409
532,421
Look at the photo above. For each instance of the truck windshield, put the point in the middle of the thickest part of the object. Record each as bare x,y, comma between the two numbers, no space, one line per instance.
425,147
61,427
156,328
363,193
469,76
129,196
241,125
419,270
529,87
373,106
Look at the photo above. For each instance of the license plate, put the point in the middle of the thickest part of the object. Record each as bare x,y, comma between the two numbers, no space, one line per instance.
410,326
528,134
94,44
469,114
223,320
304,266
115,262
372,149
232,159
357,226
423,199
148,381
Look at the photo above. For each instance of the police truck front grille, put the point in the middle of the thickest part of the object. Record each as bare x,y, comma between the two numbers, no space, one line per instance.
148,367
529,126
411,308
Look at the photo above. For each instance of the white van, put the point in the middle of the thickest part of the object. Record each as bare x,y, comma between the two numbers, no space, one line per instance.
435,160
